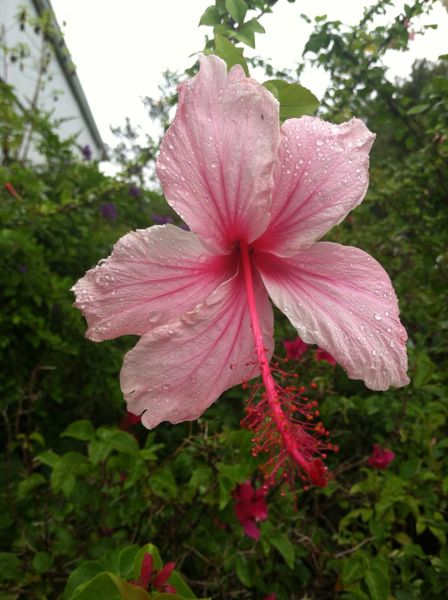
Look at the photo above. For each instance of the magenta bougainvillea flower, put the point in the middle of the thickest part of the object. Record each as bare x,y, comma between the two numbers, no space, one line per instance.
325,356
295,348
250,507
153,580
257,197
381,457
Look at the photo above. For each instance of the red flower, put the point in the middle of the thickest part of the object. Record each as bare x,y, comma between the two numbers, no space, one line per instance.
129,420
270,597
250,507
152,580
324,355
381,457
11,190
295,349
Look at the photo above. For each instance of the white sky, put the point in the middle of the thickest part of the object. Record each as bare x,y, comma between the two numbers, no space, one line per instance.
121,48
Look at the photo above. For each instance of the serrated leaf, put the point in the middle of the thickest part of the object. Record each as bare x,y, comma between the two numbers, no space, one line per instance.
295,100
230,54
284,547
80,430
237,9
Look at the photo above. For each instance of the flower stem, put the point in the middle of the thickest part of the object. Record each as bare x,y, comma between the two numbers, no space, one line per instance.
277,414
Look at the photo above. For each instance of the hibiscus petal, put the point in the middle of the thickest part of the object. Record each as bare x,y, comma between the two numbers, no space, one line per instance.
152,276
342,299
217,158
321,174
177,371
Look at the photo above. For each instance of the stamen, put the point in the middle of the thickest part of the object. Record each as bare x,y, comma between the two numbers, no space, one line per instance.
282,419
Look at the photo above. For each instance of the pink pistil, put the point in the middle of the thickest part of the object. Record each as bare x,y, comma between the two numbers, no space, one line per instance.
281,418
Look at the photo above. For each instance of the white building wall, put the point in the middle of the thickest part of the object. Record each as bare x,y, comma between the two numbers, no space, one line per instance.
56,95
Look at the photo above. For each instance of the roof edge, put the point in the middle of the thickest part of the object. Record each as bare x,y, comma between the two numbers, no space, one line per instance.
61,51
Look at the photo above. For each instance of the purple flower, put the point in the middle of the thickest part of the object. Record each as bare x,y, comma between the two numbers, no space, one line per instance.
161,219
134,191
86,151
108,210
23,268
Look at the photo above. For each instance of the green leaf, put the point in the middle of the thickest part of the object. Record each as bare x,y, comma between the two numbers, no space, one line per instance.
98,451
42,562
85,572
246,36
245,572
179,584
63,475
107,585
352,570
29,484
255,26
424,368
80,430
122,441
126,560
284,546
210,16
377,579
237,9
415,110
230,54
440,85
295,100
9,566
48,458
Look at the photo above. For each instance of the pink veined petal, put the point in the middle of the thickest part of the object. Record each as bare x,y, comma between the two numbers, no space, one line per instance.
177,371
321,174
217,158
341,299
152,276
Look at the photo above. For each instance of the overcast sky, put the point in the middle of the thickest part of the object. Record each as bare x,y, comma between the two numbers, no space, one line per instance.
121,48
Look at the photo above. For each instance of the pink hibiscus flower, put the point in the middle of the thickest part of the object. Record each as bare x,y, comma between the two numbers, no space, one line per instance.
381,457
250,507
257,198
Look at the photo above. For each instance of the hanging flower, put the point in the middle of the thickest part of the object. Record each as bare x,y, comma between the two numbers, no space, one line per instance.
257,199
381,457
250,507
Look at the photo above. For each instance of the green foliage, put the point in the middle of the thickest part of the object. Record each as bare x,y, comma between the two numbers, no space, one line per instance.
80,497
